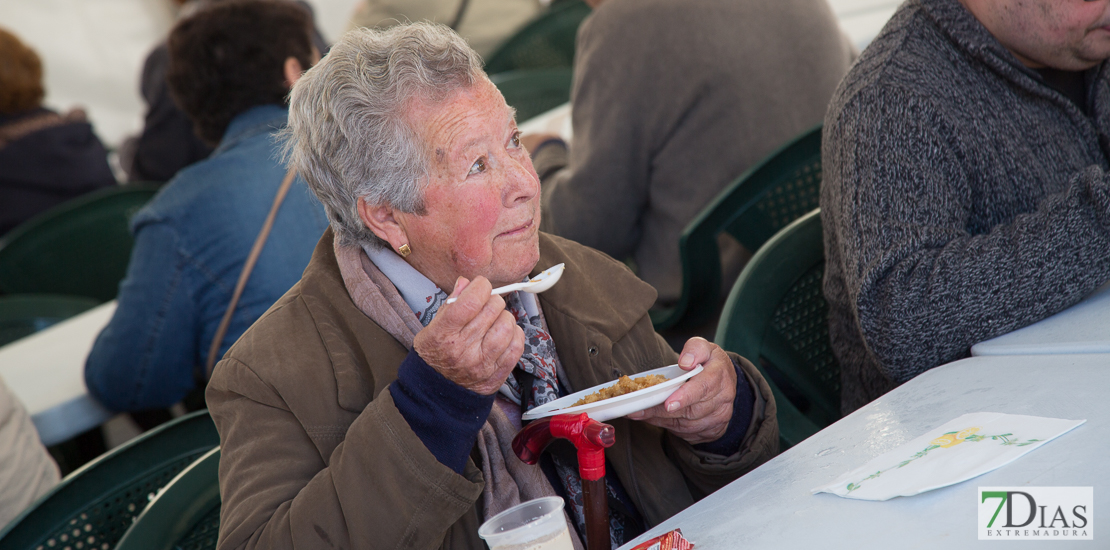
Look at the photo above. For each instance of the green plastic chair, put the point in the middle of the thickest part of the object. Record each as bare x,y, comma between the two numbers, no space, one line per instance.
546,42
534,91
80,248
92,507
777,317
780,189
185,515
25,314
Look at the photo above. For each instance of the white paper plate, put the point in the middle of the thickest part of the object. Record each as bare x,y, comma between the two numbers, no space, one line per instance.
621,405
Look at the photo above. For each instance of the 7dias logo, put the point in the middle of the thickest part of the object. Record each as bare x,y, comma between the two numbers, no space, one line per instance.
1036,513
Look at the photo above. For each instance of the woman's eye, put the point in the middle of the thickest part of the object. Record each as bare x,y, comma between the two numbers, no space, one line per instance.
515,140
478,166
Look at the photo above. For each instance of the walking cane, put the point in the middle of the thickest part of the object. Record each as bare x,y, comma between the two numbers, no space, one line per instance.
590,438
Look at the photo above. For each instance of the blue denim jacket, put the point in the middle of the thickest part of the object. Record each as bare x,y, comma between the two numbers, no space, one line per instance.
191,242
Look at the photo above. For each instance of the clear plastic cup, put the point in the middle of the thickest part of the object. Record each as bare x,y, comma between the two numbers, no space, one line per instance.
534,525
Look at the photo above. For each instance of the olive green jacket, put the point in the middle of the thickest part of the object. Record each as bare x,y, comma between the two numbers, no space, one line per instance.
316,455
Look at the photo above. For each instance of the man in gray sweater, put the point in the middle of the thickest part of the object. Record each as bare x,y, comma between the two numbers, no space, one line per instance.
965,188
673,99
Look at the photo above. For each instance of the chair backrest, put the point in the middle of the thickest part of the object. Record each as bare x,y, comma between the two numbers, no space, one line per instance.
185,515
94,505
534,91
547,41
776,316
25,314
780,189
80,247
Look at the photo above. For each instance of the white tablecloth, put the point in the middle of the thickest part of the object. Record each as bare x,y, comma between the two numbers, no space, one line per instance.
772,507
46,372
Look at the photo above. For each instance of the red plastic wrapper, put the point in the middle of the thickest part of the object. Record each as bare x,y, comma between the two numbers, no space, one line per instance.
671,540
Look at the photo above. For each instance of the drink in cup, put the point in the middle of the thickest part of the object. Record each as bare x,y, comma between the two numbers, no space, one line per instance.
534,525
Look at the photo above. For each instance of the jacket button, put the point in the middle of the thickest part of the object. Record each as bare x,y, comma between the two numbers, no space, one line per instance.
593,351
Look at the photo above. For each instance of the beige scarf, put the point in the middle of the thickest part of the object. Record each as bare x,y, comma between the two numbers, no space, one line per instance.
508,480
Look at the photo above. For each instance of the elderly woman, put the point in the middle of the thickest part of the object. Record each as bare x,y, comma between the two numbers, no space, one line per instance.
363,411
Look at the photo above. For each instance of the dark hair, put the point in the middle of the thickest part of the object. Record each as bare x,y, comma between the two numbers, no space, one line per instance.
20,75
230,56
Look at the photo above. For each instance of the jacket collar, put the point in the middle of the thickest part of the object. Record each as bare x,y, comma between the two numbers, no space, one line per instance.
349,336
588,291
256,120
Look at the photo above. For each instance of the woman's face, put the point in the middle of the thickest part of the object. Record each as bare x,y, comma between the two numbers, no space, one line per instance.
482,200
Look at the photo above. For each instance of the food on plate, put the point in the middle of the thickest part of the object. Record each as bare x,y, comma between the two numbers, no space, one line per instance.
624,385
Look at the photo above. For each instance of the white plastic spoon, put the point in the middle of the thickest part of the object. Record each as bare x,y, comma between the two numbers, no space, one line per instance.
541,282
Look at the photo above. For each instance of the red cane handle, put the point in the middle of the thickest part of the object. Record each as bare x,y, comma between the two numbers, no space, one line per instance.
589,437
532,440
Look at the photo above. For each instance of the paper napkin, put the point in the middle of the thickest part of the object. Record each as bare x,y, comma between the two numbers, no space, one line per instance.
961,449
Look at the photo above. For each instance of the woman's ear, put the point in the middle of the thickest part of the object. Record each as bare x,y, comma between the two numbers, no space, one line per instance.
381,220
292,70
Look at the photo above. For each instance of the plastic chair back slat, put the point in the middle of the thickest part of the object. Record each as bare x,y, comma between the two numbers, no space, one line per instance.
777,317
546,42
780,189
204,534
81,247
185,515
788,197
95,505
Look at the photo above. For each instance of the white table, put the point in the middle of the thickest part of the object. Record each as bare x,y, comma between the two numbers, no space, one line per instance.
1082,328
46,371
772,507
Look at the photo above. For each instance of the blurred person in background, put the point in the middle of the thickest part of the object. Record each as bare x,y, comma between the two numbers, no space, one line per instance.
231,67
46,158
672,101
167,142
26,470
485,24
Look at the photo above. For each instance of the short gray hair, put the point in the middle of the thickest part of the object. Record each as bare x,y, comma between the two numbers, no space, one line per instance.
348,135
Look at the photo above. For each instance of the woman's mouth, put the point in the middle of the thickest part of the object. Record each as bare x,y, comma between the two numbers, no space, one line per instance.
519,230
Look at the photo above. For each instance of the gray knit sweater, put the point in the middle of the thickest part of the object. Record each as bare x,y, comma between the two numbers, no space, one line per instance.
962,199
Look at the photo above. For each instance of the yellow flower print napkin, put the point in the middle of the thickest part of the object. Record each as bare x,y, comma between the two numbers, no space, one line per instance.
966,447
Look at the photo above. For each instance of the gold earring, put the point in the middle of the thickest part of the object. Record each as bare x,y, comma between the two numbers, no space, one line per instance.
404,251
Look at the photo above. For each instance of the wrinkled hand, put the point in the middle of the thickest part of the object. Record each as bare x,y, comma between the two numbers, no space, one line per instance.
698,411
473,342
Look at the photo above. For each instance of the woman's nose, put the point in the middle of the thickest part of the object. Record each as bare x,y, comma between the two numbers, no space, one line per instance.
521,183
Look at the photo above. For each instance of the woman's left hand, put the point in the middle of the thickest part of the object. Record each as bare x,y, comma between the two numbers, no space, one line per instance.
698,411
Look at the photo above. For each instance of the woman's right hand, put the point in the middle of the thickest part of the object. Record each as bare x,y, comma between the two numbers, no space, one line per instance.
473,342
